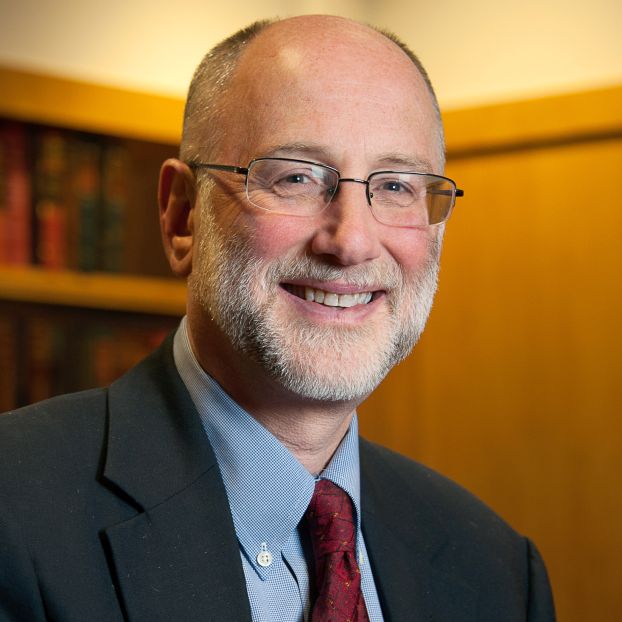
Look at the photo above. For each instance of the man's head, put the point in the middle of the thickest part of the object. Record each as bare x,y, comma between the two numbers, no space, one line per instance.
326,90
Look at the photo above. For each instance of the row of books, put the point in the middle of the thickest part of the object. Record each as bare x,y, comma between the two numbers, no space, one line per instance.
70,200
42,356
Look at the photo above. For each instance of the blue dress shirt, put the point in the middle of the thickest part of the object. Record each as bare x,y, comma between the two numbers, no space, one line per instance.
269,491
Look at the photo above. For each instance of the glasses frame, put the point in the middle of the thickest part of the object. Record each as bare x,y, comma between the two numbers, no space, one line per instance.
244,170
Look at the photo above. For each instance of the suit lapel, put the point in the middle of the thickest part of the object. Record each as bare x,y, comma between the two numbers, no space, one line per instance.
178,558
407,543
402,579
179,561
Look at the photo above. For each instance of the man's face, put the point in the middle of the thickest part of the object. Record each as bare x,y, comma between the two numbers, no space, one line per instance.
254,271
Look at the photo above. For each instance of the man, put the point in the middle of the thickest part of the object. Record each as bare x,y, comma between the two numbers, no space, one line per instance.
307,211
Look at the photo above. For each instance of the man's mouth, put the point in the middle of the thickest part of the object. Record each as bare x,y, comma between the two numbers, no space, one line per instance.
328,298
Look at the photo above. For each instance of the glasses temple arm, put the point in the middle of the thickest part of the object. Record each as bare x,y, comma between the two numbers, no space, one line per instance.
447,193
219,167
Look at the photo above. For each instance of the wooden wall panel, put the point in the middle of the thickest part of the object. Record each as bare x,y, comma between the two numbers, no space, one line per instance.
514,390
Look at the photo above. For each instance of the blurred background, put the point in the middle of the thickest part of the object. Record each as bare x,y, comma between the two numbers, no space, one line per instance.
514,390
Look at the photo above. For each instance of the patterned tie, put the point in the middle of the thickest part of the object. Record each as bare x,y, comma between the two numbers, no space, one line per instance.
333,537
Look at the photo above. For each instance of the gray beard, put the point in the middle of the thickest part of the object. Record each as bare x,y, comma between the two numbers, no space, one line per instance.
325,363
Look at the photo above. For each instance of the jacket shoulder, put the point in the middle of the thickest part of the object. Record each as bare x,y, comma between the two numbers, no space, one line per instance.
71,424
53,415
411,508
413,488
52,438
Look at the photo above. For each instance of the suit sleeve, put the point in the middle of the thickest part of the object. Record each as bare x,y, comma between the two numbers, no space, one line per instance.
540,604
20,599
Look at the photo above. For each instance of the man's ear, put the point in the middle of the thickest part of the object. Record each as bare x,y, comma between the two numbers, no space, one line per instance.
176,198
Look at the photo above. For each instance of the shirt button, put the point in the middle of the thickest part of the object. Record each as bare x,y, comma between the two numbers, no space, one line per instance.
264,557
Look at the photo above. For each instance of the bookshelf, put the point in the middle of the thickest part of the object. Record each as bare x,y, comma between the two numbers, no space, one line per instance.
103,291
52,318
78,105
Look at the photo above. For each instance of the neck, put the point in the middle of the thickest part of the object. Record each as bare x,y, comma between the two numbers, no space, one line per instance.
311,430
311,435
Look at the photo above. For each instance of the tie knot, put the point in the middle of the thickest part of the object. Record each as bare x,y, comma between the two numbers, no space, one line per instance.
330,518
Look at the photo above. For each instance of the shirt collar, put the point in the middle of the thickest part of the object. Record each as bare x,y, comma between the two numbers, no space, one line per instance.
268,489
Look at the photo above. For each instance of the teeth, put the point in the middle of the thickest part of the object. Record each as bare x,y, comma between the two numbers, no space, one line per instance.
348,300
331,299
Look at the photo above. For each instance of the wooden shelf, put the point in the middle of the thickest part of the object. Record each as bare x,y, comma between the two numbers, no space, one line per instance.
548,120
78,105
93,290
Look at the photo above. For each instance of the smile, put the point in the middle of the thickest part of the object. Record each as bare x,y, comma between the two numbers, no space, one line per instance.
327,298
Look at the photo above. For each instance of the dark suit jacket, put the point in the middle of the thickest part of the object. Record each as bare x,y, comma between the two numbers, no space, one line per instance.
112,508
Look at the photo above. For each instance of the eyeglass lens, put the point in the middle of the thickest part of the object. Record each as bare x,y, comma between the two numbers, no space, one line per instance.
305,189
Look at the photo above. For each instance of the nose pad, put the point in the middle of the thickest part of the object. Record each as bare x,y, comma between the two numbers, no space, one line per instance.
354,180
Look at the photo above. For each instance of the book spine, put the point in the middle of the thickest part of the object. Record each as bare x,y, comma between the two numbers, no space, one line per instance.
115,202
4,240
16,204
51,209
8,363
86,196
44,344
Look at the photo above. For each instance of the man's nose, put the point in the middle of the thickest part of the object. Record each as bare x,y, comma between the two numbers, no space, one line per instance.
348,230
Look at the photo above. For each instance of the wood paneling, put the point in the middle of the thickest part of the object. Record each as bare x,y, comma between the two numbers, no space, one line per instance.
514,390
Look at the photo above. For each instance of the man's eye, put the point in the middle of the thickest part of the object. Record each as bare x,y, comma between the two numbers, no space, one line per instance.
295,178
393,186
295,184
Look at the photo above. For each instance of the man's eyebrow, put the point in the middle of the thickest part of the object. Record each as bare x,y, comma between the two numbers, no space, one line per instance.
409,163
319,152
297,149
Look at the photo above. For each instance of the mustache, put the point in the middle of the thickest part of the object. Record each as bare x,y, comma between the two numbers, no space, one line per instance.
381,275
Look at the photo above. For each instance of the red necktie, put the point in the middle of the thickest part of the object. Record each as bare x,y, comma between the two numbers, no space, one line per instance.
333,537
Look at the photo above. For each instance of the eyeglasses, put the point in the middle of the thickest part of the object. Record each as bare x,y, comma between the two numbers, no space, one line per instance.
303,188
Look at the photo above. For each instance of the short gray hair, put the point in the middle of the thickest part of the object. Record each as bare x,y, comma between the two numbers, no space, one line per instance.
210,83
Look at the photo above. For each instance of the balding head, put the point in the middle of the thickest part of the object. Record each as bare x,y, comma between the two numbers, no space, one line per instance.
314,43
